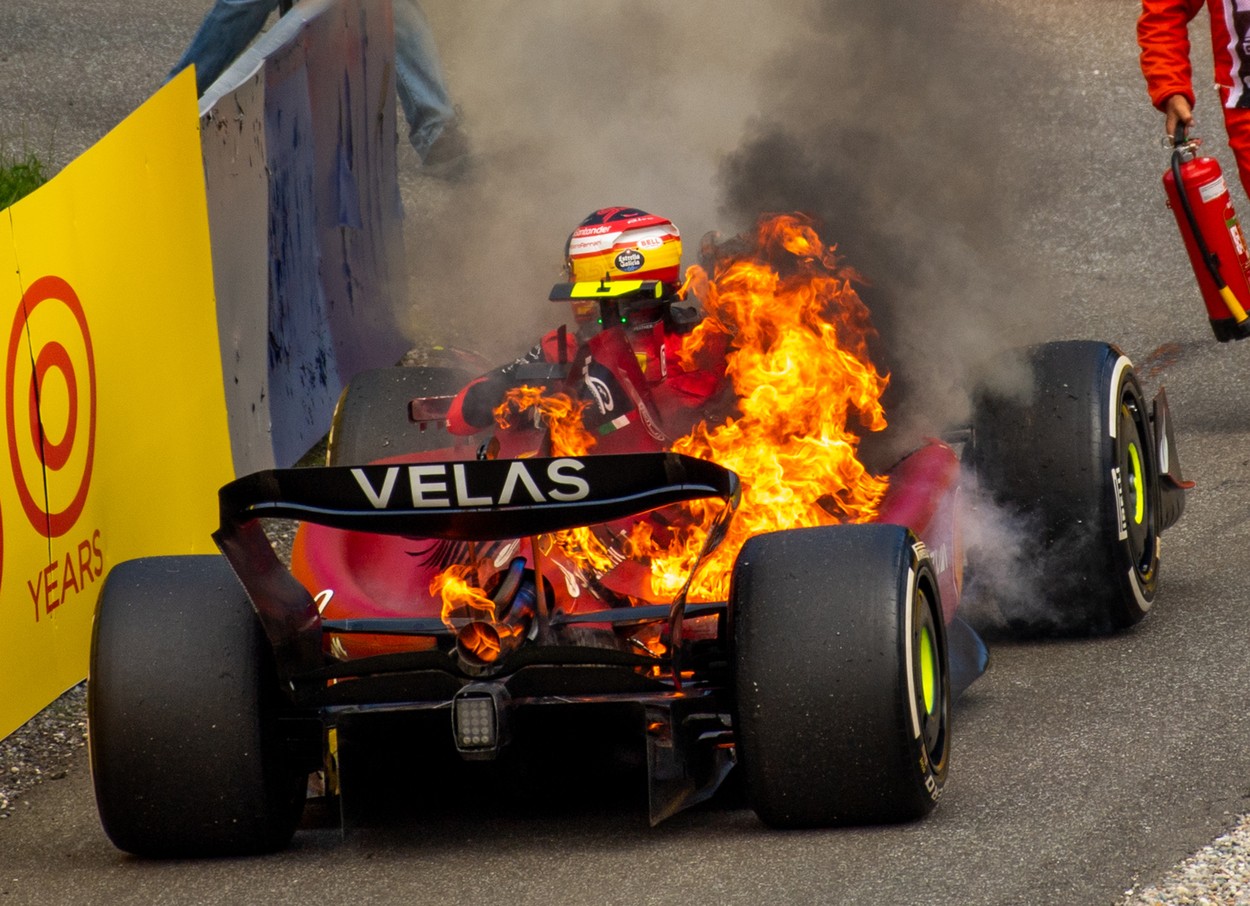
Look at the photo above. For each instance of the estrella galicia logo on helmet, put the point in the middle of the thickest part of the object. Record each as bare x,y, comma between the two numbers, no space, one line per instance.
629,260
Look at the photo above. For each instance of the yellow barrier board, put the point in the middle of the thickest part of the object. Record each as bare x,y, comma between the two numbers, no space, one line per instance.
115,428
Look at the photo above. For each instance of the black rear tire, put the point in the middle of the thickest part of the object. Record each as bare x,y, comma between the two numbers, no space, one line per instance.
371,419
841,676
183,706
1072,459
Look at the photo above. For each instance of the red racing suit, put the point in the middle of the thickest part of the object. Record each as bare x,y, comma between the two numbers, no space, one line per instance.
639,396
1163,36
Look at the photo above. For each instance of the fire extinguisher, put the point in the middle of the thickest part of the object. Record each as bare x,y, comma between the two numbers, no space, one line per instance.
1198,197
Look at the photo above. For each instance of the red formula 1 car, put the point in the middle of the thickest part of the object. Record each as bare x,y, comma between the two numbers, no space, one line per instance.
825,675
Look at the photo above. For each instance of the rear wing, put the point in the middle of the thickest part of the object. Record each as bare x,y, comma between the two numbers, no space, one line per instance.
476,500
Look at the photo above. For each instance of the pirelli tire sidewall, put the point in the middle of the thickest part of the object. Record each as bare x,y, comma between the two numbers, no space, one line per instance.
837,721
189,753
1072,462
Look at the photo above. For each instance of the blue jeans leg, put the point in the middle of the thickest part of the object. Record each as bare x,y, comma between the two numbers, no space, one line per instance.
227,30
419,77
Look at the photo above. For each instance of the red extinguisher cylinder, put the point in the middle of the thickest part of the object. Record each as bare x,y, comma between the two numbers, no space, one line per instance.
1226,292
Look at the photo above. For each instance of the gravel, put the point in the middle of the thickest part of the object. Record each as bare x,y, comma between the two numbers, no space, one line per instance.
43,749
1218,875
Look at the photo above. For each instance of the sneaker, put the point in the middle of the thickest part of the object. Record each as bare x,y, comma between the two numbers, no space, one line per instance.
449,157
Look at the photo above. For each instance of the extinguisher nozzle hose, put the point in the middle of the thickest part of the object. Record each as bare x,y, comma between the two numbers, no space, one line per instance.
1234,307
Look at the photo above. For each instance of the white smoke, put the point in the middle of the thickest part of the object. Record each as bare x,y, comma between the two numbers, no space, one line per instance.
889,121
573,106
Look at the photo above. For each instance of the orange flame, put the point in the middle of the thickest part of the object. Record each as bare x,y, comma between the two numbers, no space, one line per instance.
799,365
472,615
798,361
561,414
462,600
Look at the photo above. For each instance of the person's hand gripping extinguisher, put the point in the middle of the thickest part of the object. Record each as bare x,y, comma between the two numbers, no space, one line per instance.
1198,196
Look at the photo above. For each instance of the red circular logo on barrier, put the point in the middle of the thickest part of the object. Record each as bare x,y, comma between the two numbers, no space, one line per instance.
54,432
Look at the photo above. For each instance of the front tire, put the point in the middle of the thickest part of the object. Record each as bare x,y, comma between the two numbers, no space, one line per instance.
841,680
183,708
1073,460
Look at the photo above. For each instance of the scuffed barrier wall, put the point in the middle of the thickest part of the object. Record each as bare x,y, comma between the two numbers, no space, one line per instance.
114,417
235,166
132,390
300,163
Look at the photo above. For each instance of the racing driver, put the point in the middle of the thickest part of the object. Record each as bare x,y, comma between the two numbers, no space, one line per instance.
624,355
1163,36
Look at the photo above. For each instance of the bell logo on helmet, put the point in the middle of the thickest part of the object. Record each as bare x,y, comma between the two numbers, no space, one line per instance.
629,260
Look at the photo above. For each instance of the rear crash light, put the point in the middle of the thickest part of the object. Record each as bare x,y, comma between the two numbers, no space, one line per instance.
477,721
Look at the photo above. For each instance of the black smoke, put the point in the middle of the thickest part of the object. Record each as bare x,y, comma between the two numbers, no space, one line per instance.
895,124
899,125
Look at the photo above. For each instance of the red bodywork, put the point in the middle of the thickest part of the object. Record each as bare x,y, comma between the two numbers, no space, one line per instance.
358,575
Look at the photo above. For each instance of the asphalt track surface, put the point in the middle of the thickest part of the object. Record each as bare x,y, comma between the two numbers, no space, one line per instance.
1080,768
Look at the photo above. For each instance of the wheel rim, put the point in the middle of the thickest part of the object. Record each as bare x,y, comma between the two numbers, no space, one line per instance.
1136,483
930,682
1136,500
